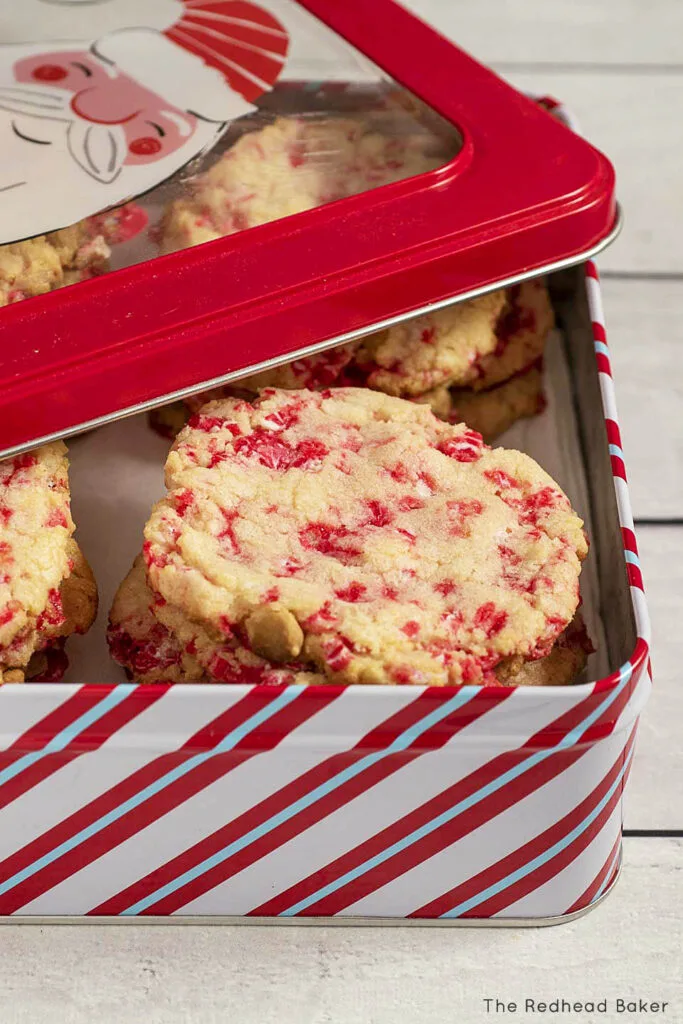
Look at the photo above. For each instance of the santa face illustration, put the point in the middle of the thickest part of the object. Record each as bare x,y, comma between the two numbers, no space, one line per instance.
87,126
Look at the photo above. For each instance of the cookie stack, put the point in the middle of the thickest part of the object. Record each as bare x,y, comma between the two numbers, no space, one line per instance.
47,590
41,264
478,361
289,166
347,536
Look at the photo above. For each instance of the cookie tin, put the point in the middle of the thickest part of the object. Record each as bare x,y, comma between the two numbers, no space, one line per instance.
484,805
111,103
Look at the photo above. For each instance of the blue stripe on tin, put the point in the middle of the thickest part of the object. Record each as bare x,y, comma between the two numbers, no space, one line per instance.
542,858
608,877
402,742
464,805
65,737
227,743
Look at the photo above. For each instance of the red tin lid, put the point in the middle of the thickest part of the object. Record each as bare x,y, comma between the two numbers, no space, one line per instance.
513,192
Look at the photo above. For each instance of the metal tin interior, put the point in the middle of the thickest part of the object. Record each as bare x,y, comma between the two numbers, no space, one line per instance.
616,609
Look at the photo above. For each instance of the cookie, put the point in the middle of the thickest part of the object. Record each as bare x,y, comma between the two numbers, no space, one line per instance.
482,343
321,370
521,334
150,652
561,667
494,411
490,412
79,594
48,665
428,351
370,524
46,587
291,165
138,642
75,612
169,420
35,528
476,343
41,264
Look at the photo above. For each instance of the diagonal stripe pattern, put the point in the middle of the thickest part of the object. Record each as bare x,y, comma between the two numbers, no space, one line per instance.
79,725
339,778
466,805
260,719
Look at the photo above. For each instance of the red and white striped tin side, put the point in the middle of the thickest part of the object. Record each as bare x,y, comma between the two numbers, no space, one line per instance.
321,801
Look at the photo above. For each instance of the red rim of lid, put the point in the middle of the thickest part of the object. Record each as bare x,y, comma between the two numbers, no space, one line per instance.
522,193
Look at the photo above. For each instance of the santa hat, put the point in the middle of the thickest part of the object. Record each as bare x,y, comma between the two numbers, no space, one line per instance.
212,44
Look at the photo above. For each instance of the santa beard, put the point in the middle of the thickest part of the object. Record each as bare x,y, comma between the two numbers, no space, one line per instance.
83,20
43,188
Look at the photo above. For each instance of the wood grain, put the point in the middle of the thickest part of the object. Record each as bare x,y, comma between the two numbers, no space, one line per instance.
629,117
604,31
654,797
645,334
268,975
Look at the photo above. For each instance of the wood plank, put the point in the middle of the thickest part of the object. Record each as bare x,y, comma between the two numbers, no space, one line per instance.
645,332
608,31
323,975
629,118
654,798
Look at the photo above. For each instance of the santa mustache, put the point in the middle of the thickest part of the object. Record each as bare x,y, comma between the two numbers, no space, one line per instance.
99,149
35,101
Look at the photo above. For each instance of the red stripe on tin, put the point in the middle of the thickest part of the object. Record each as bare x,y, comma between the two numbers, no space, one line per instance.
489,807
85,742
638,660
613,877
261,739
591,270
551,868
635,576
599,332
515,860
618,467
603,363
629,539
589,894
613,433
40,734
378,739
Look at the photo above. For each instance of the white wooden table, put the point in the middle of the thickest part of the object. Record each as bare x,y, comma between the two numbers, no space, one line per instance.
619,65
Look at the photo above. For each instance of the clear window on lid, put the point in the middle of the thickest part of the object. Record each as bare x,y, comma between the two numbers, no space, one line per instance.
182,123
